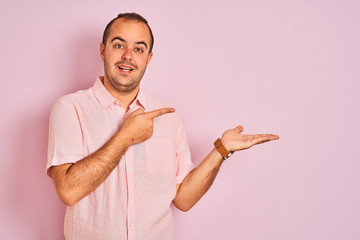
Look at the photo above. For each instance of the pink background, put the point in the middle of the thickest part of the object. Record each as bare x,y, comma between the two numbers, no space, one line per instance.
285,67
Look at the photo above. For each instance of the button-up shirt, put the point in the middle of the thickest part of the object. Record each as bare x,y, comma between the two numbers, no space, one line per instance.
133,203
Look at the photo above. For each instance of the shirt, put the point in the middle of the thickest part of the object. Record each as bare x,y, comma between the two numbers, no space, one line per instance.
133,203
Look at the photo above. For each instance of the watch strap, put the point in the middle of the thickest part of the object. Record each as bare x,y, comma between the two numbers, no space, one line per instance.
225,154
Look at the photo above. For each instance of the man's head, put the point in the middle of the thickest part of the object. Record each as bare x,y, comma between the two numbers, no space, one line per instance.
128,16
126,51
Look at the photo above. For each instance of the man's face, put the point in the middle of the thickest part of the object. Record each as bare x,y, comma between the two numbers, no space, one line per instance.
126,55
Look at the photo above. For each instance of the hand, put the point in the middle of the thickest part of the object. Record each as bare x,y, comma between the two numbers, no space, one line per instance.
233,140
139,124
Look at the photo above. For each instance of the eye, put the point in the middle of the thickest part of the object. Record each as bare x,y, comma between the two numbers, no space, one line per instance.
139,50
118,46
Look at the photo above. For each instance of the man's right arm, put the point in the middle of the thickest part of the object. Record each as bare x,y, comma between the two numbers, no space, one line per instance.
73,181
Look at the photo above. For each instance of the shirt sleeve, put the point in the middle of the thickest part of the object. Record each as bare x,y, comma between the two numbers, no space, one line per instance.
65,136
183,155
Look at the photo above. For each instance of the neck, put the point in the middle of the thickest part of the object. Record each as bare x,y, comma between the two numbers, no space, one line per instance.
125,98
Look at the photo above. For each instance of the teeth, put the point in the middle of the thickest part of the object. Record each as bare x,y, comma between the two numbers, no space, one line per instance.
125,69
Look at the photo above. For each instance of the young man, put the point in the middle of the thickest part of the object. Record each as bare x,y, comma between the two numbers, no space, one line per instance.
119,157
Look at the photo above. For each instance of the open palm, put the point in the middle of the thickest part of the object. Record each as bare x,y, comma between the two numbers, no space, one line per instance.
234,140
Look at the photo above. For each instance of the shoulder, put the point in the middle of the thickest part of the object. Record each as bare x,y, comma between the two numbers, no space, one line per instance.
151,102
72,101
76,97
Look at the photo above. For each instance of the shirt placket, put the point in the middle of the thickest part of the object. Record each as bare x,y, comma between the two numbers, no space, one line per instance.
131,213
130,177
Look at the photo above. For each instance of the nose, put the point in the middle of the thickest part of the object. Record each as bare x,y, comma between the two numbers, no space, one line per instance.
127,54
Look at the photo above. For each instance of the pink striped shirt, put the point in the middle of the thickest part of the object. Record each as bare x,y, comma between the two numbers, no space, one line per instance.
134,201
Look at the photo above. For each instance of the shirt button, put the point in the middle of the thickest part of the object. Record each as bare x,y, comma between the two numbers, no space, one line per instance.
131,196
131,225
129,168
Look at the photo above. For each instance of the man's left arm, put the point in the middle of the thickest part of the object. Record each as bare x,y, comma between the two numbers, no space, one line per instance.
200,179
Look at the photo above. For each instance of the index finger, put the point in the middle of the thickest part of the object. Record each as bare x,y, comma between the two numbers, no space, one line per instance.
265,137
159,112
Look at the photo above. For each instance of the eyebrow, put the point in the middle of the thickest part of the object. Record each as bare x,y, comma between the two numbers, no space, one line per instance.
122,40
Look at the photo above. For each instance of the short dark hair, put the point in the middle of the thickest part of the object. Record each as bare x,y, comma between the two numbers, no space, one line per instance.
128,16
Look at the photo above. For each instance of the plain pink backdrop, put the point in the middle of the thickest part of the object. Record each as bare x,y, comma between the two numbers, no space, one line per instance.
286,67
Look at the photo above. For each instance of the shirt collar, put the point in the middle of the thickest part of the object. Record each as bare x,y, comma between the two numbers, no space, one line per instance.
141,100
106,99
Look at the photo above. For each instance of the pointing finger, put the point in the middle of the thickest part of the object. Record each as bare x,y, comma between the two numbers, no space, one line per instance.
137,111
159,112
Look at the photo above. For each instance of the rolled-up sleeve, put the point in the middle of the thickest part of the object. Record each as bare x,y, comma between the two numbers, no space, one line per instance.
65,135
183,155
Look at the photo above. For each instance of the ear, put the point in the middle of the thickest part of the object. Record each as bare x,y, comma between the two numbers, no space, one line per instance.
102,51
149,58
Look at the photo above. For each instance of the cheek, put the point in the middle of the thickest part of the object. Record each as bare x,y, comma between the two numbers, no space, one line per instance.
143,62
111,60
110,55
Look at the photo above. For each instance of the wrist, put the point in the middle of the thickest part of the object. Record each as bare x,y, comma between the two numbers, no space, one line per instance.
222,149
218,159
124,138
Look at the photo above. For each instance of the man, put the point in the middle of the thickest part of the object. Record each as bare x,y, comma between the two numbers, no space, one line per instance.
119,157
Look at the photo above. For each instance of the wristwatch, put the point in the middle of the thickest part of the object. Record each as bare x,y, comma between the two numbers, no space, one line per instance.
222,149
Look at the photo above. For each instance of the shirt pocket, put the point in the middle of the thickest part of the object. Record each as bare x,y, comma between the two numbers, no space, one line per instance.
160,156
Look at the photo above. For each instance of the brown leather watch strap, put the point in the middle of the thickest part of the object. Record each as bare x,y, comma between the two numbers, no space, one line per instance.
222,149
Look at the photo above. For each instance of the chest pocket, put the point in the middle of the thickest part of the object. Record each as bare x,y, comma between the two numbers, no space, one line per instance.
160,155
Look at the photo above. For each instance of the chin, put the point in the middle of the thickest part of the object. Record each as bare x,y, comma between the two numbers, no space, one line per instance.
126,88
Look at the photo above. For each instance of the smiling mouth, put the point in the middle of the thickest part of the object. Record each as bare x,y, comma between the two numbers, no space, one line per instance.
125,69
